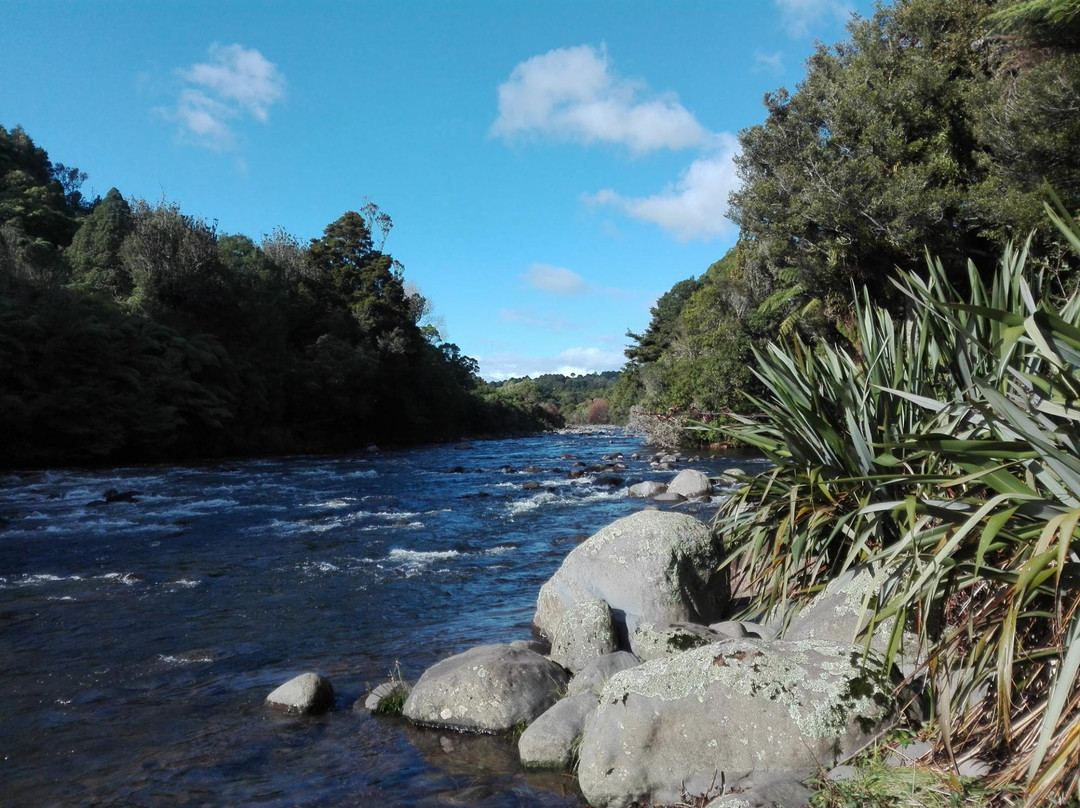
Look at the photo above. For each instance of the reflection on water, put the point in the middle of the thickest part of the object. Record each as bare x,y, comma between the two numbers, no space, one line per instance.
139,638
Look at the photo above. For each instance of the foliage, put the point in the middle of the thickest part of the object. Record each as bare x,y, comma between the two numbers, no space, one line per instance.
944,450
918,132
702,362
153,336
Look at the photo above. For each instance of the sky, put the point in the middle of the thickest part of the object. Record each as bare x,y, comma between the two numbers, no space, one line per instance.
551,168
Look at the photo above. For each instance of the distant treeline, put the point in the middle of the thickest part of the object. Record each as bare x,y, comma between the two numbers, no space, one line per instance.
130,331
574,399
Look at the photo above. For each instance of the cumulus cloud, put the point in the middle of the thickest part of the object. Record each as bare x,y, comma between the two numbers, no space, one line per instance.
695,206
556,281
501,366
797,16
573,94
236,83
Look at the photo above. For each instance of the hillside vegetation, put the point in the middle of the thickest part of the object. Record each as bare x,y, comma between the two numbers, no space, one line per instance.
132,331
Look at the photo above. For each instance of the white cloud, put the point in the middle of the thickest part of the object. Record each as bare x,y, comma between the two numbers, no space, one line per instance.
573,94
556,280
235,84
799,15
772,62
695,207
498,367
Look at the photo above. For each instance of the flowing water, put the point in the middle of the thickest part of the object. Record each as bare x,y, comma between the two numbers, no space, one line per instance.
139,639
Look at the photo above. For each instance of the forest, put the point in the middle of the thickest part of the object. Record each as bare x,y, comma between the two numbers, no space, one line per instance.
131,331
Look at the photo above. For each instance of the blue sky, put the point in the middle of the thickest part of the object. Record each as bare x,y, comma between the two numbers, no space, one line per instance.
550,167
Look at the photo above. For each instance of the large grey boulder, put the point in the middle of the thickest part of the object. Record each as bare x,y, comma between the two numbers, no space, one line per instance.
551,741
653,565
489,688
691,484
306,693
714,713
585,631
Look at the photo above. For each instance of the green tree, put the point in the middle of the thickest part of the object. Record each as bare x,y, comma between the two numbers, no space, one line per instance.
657,337
363,279
94,255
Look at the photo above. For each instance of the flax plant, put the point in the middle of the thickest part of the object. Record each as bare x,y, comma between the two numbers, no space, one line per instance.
945,448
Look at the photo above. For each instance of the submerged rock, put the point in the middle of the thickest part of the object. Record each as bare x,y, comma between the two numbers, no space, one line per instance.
489,688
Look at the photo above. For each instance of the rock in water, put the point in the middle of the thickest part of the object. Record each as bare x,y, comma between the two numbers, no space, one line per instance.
489,688
653,565
307,693
550,742
690,484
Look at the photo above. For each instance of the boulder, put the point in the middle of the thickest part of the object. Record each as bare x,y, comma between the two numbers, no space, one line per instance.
489,688
654,640
690,484
653,565
307,693
585,631
669,496
714,713
593,678
647,490
551,741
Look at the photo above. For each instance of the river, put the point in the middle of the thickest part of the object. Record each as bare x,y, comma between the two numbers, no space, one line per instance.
139,639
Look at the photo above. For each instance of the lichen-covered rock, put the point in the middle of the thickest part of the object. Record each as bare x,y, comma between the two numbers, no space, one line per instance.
551,741
585,632
489,688
721,710
594,676
691,484
307,693
653,565
654,640
646,490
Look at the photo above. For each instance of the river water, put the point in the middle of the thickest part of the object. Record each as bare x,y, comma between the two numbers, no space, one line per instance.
138,640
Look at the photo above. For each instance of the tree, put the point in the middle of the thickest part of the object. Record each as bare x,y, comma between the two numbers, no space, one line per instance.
665,313
366,281
174,264
94,255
